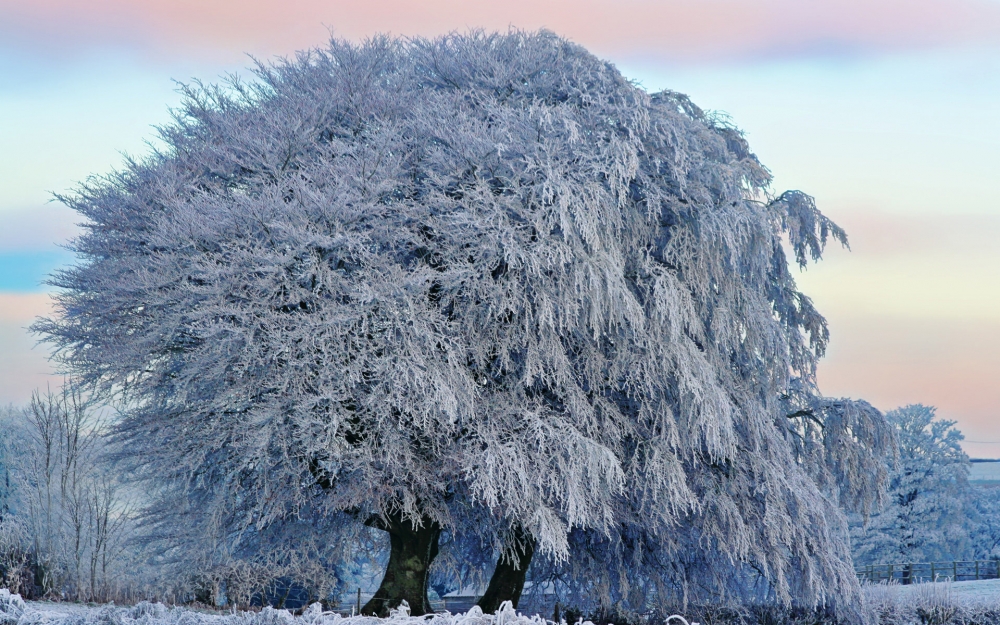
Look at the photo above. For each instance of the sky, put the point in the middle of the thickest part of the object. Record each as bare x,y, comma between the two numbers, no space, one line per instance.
885,110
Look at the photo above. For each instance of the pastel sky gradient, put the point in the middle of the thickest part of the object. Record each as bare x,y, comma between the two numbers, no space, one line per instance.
885,110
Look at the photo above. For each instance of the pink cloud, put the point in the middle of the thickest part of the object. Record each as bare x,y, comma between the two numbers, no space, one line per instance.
657,29
913,316
21,309
879,234
38,228
24,366
947,363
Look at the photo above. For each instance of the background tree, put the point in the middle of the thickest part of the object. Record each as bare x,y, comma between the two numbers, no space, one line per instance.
67,517
481,284
929,512
14,538
985,533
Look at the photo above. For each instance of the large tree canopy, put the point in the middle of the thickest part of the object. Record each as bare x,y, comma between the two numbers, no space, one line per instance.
482,283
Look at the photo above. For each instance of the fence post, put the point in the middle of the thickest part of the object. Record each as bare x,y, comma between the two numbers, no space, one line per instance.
933,577
977,570
954,571
890,573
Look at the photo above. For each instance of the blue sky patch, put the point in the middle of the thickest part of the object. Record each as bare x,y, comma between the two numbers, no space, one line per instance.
24,272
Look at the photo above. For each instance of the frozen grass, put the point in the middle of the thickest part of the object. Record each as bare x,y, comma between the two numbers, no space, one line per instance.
15,611
941,603
966,603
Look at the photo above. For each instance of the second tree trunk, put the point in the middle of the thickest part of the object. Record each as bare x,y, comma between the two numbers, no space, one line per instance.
507,582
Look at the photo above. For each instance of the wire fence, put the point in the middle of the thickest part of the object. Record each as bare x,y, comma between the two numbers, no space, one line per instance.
916,572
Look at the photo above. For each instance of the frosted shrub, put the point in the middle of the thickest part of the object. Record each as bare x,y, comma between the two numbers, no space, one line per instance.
883,602
11,607
15,557
934,604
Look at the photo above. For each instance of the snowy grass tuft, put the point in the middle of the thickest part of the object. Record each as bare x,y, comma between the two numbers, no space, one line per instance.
12,608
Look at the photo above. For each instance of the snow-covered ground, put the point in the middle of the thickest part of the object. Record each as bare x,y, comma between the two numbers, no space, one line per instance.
895,603
979,592
985,473
15,611
941,602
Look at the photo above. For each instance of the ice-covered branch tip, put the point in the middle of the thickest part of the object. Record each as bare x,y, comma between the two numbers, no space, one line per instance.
808,229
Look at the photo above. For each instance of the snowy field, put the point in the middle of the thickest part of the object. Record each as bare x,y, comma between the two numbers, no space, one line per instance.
985,473
985,591
939,603
15,611
964,602
981,591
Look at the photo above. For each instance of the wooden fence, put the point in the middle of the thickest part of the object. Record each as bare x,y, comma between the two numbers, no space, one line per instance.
915,572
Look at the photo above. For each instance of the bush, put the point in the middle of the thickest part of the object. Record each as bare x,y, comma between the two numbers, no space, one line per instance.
17,563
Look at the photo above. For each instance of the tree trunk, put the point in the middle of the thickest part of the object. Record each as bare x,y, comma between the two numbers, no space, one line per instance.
508,577
412,549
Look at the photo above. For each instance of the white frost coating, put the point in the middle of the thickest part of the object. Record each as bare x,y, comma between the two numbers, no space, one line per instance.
483,280
14,612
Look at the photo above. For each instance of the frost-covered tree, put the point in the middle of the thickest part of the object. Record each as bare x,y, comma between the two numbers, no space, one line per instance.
481,284
14,539
6,460
66,518
930,499
985,534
